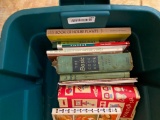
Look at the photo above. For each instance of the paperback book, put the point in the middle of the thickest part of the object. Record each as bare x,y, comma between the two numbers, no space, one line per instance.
116,81
100,96
108,45
86,113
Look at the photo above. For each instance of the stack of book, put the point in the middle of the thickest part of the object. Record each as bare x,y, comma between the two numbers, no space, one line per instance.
94,67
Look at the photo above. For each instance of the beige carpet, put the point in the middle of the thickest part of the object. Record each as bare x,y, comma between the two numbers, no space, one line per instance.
8,7
126,2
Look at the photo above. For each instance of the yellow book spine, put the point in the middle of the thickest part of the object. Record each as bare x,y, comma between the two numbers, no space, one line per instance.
96,34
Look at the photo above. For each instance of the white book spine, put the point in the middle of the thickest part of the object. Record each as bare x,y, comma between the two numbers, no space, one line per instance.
123,47
71,111
82,51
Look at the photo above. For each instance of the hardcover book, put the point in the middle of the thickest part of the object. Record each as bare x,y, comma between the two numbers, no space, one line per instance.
121,62
99,34
100,96
86,113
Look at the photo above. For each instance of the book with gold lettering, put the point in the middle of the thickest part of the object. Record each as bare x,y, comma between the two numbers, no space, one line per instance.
95,34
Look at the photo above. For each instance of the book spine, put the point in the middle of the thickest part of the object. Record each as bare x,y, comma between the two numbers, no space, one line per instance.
121,62
78,42
90,76
59,32
81,111
116,81
129,83
112,43
82,51
109,34
61,46
112,48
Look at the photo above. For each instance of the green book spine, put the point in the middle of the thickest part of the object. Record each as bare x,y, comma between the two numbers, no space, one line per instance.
94,76
94,63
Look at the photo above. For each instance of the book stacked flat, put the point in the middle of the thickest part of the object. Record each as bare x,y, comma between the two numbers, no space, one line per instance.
94,67
86,114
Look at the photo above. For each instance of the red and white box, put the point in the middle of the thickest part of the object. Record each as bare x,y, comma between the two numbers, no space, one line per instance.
125,97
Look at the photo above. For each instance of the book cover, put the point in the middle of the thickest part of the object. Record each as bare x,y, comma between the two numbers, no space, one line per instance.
86,113
100,96
91,76
99,34
121,62
116,81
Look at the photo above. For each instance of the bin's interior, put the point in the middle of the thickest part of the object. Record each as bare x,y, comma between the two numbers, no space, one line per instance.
28,82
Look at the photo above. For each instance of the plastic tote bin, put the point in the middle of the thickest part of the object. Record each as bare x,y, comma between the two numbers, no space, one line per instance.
28,82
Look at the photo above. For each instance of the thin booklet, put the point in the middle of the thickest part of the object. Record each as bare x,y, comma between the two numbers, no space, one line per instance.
86,113
115,81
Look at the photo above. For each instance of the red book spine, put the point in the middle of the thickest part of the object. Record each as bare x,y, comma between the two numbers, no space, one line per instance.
112,43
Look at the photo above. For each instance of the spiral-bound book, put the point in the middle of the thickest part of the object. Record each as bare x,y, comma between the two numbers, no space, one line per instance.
86,113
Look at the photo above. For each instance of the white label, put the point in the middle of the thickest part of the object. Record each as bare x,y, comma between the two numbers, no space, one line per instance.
77,20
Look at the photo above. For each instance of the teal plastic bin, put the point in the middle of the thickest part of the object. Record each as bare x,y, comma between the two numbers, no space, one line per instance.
28,82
